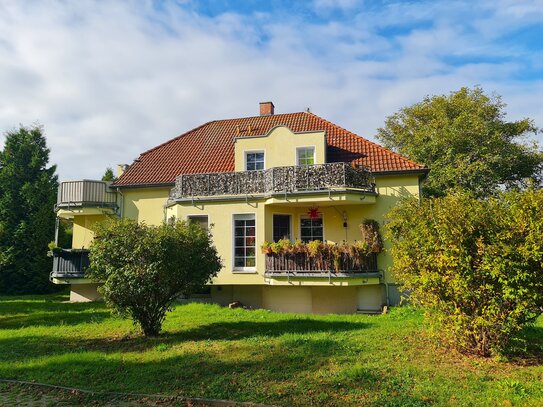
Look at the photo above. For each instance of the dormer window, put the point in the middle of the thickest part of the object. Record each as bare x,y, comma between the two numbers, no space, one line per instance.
254,160
305,155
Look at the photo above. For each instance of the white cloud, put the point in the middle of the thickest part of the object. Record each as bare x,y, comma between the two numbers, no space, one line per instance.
109,80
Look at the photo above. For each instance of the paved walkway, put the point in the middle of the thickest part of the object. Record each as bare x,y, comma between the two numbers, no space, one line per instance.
38,395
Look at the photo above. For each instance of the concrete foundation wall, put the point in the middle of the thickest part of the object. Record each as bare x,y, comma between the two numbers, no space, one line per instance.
84,292
248,295
396,296
334,300
371,298
308,300
288,299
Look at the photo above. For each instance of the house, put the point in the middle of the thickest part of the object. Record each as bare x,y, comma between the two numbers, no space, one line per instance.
257,179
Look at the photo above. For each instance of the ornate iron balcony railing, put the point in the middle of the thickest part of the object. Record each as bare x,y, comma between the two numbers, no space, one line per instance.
276,180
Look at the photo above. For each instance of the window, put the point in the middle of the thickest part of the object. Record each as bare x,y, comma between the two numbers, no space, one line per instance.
244,242
281,227
201,220
311,229
306,155
254,161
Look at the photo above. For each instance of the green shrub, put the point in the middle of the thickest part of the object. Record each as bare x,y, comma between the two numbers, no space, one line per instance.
145,268
476,266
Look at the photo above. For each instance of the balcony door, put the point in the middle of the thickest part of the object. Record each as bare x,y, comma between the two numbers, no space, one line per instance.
281,227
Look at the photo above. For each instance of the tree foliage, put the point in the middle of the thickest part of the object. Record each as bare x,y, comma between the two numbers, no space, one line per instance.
475,265
145,268
466,142
108,175
28,190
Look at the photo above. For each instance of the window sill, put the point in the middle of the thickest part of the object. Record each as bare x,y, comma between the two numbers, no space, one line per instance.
246,271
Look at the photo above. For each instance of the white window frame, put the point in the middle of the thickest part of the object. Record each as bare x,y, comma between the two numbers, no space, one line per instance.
194,215
243,216
304,215
245,152
290,224
306,148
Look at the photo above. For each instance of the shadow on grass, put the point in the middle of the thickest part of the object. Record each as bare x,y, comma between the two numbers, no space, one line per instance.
33,346
52,304
53,319
251,329
533,354
24,313
224,374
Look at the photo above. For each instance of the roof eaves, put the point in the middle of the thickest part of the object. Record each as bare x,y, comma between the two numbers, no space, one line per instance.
143,185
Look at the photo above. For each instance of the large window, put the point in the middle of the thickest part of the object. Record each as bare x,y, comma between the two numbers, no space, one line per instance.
281,227
201,220
254,161
311,229
244,242
305,155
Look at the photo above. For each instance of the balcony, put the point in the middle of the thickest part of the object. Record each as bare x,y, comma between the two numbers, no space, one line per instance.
70,263
86,193
274,181
304,265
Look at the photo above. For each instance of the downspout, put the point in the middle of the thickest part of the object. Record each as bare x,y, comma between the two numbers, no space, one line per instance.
386,289
57,225
121,214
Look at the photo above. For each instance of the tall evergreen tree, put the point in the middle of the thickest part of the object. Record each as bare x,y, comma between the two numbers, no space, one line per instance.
28,189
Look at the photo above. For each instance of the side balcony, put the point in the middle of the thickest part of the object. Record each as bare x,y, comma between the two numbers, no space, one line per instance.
85,196
322,266
276,184
69,264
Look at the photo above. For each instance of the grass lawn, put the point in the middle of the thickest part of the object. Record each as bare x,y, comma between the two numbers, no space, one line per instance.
259,356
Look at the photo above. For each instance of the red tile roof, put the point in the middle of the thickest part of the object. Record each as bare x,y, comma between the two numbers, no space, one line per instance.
210,148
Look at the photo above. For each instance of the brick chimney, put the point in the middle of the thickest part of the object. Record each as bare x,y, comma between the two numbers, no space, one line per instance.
266,108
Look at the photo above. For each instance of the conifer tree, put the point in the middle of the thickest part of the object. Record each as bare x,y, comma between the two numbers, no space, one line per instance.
108,175
28,189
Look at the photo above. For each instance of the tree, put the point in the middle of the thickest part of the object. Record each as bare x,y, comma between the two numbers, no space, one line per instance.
466,142
28,190
145,268
108,175
474,265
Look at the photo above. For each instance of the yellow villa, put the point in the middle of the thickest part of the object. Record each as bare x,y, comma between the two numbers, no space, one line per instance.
253,180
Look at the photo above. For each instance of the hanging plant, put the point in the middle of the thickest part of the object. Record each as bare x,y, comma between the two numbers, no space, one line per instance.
336,252
369,228
266,248
314,248
286,246
299,247
276,248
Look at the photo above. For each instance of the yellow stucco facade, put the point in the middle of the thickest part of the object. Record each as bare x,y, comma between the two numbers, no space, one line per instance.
342,212
220,214
280,146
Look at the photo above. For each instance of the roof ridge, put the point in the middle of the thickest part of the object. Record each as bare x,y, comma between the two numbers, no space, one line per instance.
368,141
254,117
209,122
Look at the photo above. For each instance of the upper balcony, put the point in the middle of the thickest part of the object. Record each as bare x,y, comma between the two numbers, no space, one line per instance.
85,193
276,181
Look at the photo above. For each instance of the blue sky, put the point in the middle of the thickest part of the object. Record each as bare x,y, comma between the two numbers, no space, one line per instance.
108,80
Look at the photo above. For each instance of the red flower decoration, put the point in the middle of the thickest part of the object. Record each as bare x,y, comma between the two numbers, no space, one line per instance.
314,213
